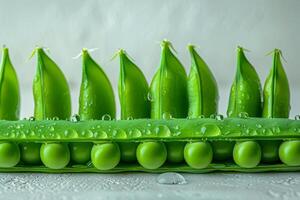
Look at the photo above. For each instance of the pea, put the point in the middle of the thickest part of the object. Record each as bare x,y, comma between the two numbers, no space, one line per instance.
247,154
30,153
168,89
276,91
133,89
105,156
50,89
80,152
203,94
9,89
269,151
222,150
289,153
96,98
245,93
198,155
175,151
128,151
151,155
9,154
55,155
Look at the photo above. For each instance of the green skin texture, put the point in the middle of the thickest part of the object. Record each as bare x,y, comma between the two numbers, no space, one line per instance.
51,100
96,97
151,155
30,153
247,154
245,94
202,87
198,155
55,155
289,153
276,104
133,92
9,154
105,156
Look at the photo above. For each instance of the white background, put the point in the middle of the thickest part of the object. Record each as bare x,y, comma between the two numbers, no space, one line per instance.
217,27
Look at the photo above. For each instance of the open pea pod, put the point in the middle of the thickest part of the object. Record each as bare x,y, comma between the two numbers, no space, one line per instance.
276,92
50,89
9,89
96,98
203,91
245,93
168,89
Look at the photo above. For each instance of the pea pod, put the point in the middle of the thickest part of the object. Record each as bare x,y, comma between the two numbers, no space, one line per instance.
96,97
51,100
168,88
202,88
50,89
245,94
276,91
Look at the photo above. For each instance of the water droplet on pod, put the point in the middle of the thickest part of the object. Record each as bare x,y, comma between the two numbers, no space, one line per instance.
106,117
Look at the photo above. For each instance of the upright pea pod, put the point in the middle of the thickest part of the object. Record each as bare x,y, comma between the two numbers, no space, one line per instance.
96,97
51,100
276,104
133,91
202,87
50,89
168,95
245,94
9,108
168,89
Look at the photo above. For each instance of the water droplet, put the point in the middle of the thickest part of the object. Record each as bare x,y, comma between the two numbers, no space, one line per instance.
87,133
258,125
243,115
100,134
120,134
51,128
136,133
297,117
75,118
201,117
31,118
55,118
219,117
166,115
130,118
71,133
149,97
171,178
162,131
106,117
210,129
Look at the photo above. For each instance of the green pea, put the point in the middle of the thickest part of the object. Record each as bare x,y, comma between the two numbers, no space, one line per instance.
50,89
128,151
55,155
30,153
80,152
105,156
96,98
168,89
247,154
151,155
202,87
9,154
175,151
133,90
289,153
9,89
222,150
198,155
276,91
245,94
269,150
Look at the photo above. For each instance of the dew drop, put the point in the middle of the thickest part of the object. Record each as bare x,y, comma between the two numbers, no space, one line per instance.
258,125
243,115
120,134
136,133
149,97
55,118
100,134
75,118
163,131
31,118
219,117
171,178
51,128
106,117
166,115
210,130
71,133
130,118
297,117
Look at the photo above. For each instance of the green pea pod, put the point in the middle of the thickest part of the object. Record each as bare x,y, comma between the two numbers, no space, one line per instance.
9,89
133,90
202,88
96,97
50,89
245,94
168,88
276,92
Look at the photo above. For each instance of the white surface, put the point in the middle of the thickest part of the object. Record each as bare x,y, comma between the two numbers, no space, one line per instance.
227,186
216,26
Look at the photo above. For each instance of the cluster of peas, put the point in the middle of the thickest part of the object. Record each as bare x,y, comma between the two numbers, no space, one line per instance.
171,93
